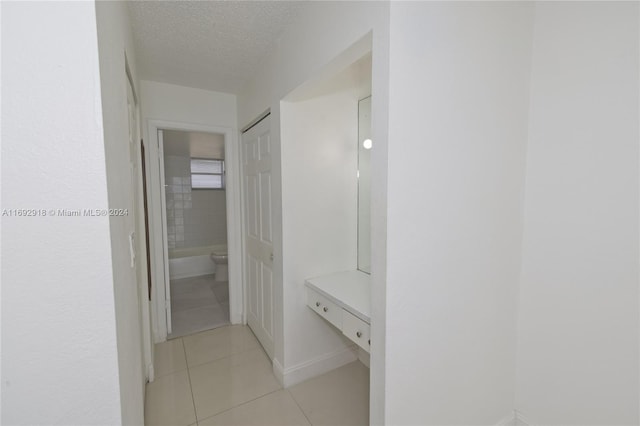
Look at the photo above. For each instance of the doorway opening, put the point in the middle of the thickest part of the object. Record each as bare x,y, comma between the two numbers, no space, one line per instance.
196,229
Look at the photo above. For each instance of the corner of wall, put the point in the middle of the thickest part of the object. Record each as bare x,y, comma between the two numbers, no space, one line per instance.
514,419
509,420
520,420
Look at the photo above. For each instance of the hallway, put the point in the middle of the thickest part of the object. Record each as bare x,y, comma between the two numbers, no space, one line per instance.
223,377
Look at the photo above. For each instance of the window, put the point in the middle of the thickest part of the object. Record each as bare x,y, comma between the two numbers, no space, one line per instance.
207,174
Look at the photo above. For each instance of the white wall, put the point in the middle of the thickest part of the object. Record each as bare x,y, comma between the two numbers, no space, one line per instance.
59,358
578,332
319,135
164,101
130,285
458,107
364,185
305,48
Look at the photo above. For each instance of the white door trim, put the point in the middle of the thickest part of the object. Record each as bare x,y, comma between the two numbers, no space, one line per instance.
163,223
234,223
141,265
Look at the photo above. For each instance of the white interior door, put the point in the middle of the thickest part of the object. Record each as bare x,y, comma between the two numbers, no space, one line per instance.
258,232
138,251
145,351
165,250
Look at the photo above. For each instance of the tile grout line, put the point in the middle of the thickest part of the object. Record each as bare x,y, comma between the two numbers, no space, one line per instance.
215,304
195,307
214,293
193,400
224,357
188,368
228,356
243,403
210,362
298,405
210,327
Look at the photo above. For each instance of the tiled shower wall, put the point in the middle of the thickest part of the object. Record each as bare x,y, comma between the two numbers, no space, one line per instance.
195,218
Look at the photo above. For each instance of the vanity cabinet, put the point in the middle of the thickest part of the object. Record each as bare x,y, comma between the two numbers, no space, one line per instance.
324,307
356,329
344,300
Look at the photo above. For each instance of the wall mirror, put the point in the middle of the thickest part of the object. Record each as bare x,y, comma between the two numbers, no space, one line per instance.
364,184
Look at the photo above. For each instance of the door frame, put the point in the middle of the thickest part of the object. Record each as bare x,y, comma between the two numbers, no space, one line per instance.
158,227
142,253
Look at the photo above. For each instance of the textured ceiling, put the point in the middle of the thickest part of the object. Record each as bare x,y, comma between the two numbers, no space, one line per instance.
212,45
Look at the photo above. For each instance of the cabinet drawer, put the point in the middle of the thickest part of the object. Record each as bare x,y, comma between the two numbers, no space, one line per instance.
324,307
356,329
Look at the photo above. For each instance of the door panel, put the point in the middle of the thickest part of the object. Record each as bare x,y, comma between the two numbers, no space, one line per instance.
265,147
252,206
265,211
267,299
253,287
259,232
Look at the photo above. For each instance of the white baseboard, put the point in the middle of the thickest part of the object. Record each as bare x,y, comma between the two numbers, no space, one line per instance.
278,371
314,367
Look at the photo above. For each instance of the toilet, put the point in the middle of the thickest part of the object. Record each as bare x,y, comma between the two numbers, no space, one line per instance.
220,258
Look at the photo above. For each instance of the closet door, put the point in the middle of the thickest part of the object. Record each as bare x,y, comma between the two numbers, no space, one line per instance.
258,232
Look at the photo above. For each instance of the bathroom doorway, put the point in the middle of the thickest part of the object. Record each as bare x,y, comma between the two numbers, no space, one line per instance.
189,256
195,217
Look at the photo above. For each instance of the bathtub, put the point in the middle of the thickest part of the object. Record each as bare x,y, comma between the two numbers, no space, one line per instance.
192,261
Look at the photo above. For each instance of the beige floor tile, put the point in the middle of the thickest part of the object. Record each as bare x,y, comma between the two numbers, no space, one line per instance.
194,305
199,319
169,357
277,408
231,381
186,303
169,402
221,291
191,292
339,397
219,343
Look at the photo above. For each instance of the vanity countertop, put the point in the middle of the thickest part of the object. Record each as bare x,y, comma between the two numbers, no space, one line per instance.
351,290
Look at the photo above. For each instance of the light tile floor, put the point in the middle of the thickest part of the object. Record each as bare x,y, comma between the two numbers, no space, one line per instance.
223,377
198,304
